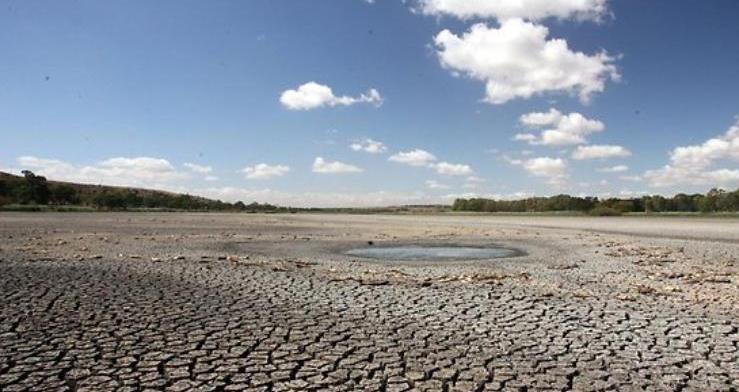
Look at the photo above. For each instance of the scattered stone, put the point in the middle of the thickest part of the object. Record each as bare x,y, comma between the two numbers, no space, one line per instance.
374,282
563,266
643,289
717,279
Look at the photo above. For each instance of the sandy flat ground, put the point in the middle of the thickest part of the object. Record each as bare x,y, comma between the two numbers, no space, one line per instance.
129,301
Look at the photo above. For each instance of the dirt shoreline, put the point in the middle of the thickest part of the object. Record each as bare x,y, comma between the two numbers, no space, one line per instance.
210,301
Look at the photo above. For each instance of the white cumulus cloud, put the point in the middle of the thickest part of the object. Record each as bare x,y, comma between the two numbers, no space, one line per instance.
472,182
525,137
614,169
554,170
672,175
431,184
558,129
725,146
369,145
121,171
423,158
694,164
452,169
198,168
415,157
263,171
525,9
313,95
320,165
516,60
601,151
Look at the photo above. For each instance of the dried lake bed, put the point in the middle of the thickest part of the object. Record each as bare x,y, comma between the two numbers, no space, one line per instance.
174,301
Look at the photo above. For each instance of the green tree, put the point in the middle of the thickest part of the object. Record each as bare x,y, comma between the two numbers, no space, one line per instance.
64,194
34,189
110,200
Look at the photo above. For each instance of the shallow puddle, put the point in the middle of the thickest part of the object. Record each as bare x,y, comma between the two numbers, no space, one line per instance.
432,253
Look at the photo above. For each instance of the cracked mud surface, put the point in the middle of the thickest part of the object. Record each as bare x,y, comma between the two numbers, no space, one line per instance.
256,302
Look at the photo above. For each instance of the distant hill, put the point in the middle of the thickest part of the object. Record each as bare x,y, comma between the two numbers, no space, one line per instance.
92,189
31,189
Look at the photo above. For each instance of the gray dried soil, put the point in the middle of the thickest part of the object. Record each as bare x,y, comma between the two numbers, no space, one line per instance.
179,302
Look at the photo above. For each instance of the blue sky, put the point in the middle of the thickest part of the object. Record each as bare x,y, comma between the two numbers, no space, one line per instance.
205,97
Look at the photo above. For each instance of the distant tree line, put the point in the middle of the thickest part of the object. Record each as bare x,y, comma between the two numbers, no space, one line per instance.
31,189
716,200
